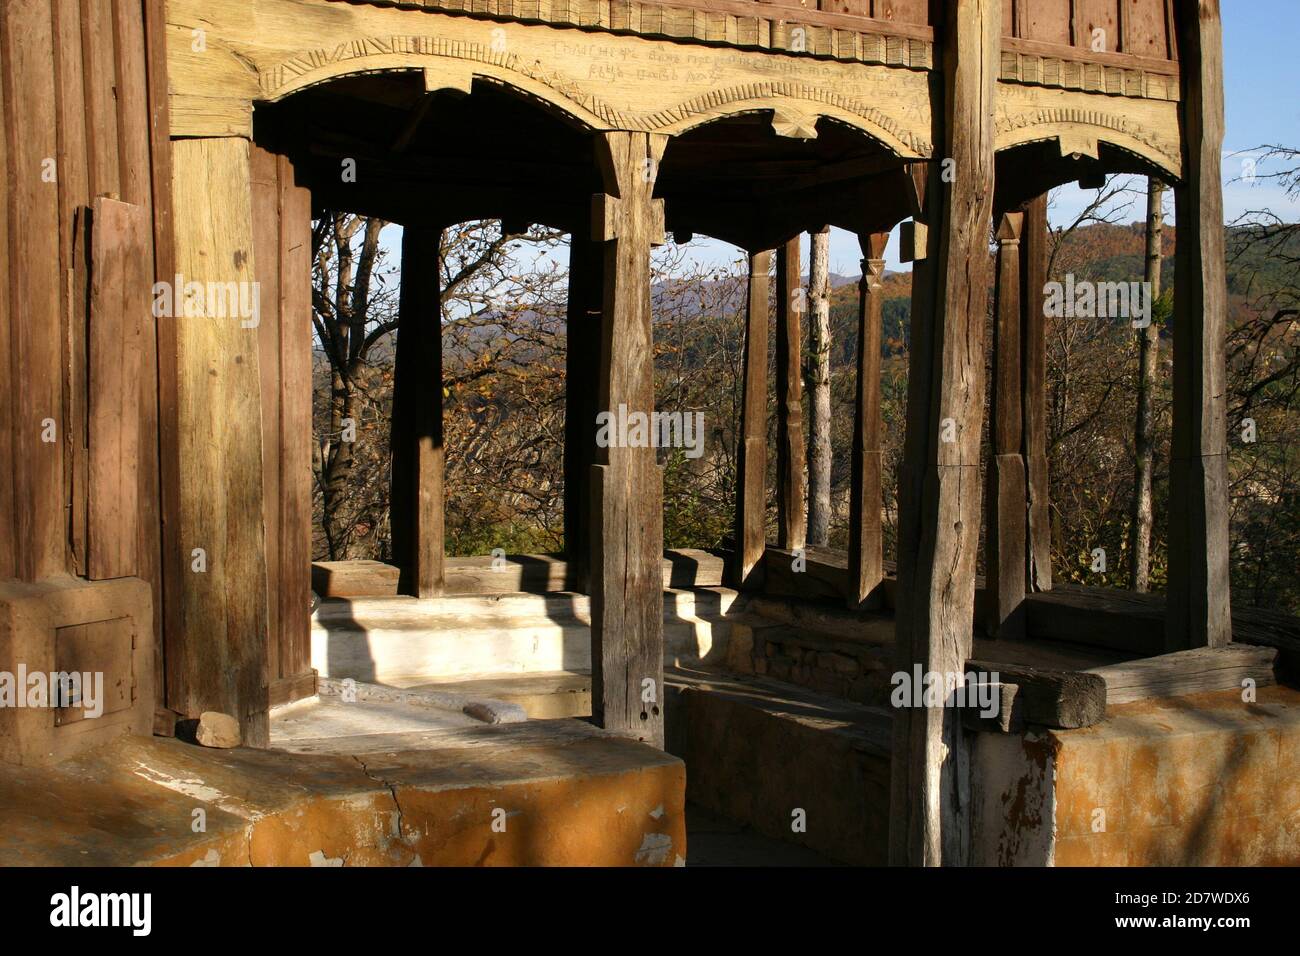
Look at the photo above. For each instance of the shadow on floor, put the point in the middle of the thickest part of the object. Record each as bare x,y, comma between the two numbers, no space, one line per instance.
716,841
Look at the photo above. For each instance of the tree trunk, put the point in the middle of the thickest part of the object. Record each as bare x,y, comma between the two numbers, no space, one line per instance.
819,390
1149,349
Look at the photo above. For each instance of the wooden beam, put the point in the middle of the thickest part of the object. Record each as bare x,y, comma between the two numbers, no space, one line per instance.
1238,667
171,565
1060,699
295,344
1199,608
74,236
216,659
265,180
1005,534
791,481
1033,395
940,485
866,543
627,654
417,445
8,541
282,253
751,451
581,383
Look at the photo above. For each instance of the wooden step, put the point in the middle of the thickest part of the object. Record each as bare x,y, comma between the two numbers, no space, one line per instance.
386,639
484,574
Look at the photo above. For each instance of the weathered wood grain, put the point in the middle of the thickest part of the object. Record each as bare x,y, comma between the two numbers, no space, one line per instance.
751,453
74,219
295,342
1199,609
8,540
866,539
265,184
216,660
1198,671
169,562
119,305
940,485
35,291
138,167
1033,393
1005,557
1050,698
791,481
627,483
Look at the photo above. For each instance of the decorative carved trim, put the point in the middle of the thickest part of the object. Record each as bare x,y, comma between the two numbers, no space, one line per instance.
856,39
1054,122
1033,69
297,72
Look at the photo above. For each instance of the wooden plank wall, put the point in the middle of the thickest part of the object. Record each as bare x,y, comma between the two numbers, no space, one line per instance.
77,263
915,12
1138,27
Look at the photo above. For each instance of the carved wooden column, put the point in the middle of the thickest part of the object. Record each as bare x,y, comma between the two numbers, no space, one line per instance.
582,380
627,482
940,487
792,513
866,547
1199,613
418,458
751,451
1033,393
1007,517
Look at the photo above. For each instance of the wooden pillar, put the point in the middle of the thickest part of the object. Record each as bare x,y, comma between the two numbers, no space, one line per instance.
940,486
1033,393
626,481
216,658
791,483
866,545
751,450
1007,516
581,383
417,449
1198,600
282,253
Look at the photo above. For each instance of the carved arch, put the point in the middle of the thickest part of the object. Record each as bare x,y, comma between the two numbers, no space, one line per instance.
454,64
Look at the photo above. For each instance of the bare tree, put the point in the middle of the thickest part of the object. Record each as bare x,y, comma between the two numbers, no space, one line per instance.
819,389
354,306
1148,350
